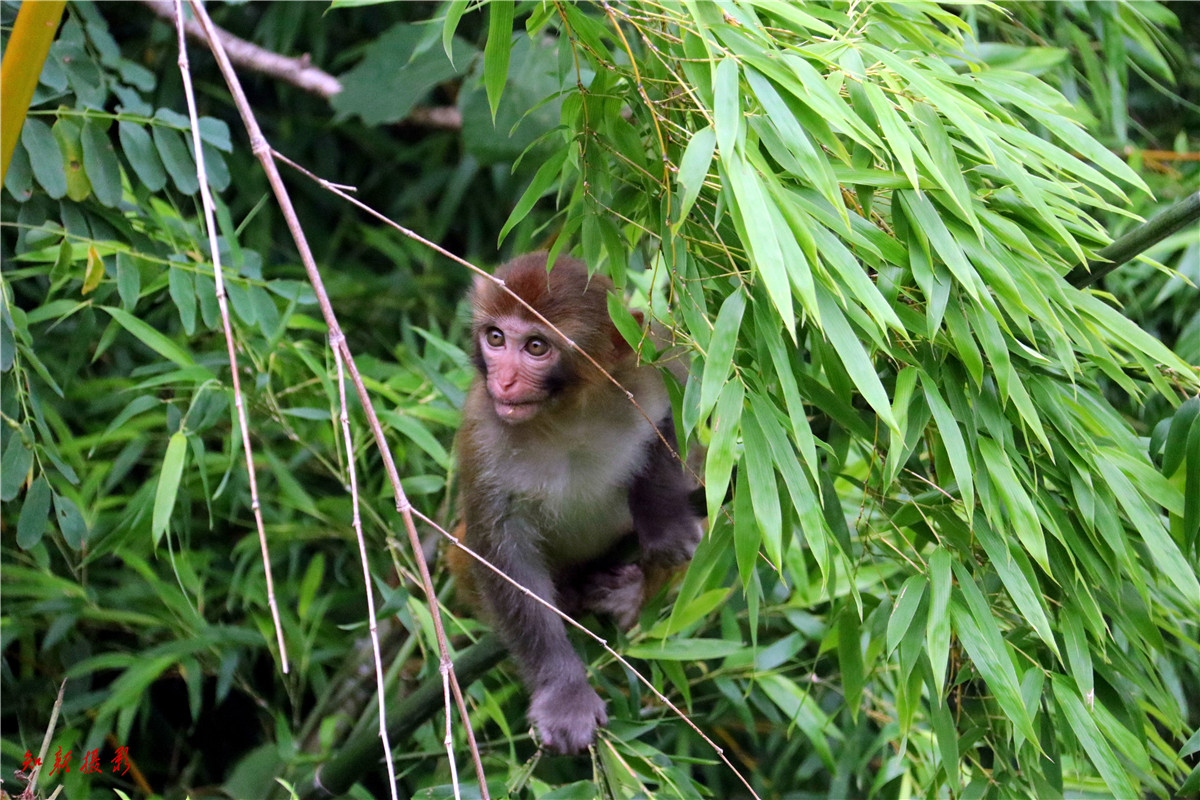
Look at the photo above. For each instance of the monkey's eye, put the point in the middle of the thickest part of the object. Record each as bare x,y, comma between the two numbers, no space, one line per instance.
537,347
494,337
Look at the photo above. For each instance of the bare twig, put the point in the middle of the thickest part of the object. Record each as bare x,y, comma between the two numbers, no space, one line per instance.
238,400
344,414
297,71
262,150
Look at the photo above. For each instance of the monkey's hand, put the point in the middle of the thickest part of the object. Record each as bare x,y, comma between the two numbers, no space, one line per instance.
566,715
672,542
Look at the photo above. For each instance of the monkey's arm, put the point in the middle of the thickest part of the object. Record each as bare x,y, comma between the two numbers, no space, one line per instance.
667,528
563,706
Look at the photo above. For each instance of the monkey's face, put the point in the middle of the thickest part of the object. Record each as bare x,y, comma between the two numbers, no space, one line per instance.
522,367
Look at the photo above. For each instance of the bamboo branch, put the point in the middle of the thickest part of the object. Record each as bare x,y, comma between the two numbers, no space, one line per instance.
1136,242
361,752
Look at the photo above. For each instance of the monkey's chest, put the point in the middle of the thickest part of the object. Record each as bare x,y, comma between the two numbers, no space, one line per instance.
579,496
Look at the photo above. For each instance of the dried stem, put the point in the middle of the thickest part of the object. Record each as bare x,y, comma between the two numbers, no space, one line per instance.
298,72
227,326
263,151
344,415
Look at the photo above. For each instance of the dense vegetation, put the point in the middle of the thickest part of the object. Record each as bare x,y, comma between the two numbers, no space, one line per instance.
954,491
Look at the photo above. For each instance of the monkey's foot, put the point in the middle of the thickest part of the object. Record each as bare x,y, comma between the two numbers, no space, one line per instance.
566,717
618,592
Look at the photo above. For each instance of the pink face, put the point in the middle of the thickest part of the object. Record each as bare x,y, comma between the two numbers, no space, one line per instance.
522,368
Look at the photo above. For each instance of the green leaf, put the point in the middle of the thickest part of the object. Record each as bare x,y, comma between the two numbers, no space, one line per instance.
496,52
1017,575
800,707
396,74
67,132
176,157
854,358
1176,440
454,12
168,484
850,658
1191,492
70,522
129,280
1094,744
1016,502
937,627
14,465
100,162
762,238
952,440
45,159
727,106
1079,656
976,628
718,465
183,293
31,524
685,649
905,609
1163,550
764,489
693,169
545,177
718,362
150,337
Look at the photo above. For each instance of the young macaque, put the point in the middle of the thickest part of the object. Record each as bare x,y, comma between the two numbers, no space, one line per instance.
564,484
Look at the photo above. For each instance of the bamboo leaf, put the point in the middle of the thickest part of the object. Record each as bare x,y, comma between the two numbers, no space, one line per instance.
719,464
727,112
854,358
937,626
952,440
718,362
1085,730
168,484
496,53
150,337
543,179
905,609
755,216
693,169
764,489
977,630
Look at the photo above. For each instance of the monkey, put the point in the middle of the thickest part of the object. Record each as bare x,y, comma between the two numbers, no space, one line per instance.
559,474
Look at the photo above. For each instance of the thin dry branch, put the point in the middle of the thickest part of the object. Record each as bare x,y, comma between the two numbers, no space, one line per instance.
344,417
299,71
227,327
262,150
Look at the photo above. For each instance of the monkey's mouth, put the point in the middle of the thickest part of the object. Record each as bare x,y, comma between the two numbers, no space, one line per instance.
516,412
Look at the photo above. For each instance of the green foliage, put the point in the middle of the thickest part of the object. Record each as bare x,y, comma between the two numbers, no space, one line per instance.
961,552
